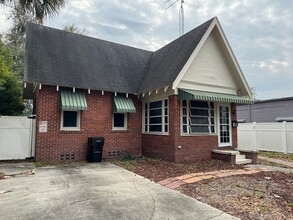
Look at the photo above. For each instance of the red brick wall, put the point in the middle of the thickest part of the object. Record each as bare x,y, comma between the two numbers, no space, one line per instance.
162,146
95,121
193,148
234,130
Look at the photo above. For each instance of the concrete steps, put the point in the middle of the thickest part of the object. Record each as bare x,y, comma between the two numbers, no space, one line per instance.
243,161
239,158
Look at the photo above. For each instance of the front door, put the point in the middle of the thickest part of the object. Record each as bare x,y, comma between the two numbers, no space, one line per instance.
224,125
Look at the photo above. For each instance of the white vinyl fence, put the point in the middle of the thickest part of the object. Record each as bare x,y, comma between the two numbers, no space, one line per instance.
17,137
276,136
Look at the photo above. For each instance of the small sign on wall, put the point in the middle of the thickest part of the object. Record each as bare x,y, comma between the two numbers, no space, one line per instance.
43,126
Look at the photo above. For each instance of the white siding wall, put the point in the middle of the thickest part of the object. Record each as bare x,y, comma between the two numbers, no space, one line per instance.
17,135
276,136
210,70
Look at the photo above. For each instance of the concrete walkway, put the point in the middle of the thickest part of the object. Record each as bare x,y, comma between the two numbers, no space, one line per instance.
94,191
284,162
175,182
270,168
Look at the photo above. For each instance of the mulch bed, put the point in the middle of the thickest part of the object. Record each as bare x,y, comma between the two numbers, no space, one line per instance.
157,170
265,195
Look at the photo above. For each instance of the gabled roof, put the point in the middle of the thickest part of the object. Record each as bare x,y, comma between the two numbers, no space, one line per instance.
215,26
166,63
56,57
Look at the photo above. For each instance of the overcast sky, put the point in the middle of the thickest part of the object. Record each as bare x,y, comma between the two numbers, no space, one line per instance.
259,32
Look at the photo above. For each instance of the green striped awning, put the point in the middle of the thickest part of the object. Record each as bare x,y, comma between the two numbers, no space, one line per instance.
73,100
186,94
123,104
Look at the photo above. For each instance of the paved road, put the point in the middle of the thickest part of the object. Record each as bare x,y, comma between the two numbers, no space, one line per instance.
94,191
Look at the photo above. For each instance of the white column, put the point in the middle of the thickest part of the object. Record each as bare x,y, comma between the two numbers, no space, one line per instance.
284,138
254,136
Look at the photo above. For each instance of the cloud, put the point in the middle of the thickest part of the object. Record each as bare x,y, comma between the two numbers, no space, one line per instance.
272,66
4,23
259,32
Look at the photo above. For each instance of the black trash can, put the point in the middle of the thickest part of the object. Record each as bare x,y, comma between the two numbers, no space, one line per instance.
95,149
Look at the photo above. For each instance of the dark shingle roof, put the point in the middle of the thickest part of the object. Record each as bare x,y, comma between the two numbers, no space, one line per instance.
166,63
56,57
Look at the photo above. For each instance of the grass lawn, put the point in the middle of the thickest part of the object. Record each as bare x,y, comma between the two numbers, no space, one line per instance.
276,155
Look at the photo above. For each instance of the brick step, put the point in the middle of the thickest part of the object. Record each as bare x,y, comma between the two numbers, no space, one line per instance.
243,161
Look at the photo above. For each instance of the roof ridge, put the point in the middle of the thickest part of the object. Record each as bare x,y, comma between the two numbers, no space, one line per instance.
85,36
189,32
166,62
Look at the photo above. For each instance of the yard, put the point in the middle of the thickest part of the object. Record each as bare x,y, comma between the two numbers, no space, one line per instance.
264,195
275,155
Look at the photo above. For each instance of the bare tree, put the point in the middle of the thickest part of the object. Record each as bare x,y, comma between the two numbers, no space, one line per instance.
74,29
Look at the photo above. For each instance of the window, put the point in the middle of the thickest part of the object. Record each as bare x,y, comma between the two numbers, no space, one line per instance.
70,120
156,116
119,121
197,117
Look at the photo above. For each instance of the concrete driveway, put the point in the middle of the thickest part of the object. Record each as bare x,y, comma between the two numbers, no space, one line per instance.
94,191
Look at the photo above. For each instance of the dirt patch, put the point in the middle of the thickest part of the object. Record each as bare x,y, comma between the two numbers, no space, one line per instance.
157,170
2,176
264,195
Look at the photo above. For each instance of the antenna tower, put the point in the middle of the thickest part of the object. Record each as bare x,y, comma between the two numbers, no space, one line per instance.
181,15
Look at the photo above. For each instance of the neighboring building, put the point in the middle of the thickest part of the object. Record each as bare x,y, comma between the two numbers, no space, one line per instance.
271,110
176,103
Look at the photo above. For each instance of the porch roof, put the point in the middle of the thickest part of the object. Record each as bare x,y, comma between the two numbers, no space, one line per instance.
186,94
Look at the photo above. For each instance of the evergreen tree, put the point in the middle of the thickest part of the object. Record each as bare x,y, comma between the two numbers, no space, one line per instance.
10,86
38,9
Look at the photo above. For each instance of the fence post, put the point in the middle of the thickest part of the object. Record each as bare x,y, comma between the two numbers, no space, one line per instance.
284,138
254,141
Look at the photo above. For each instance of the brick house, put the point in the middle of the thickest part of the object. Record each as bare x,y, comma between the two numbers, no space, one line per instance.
176,103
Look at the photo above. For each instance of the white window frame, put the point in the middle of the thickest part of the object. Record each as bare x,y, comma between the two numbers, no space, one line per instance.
163,117
227,144
125,122
188,133
77,128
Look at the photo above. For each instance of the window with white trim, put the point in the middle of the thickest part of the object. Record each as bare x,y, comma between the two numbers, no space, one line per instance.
70,120
119,121
197,117
156,117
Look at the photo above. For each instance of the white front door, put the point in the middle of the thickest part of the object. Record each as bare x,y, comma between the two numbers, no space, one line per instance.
224,128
